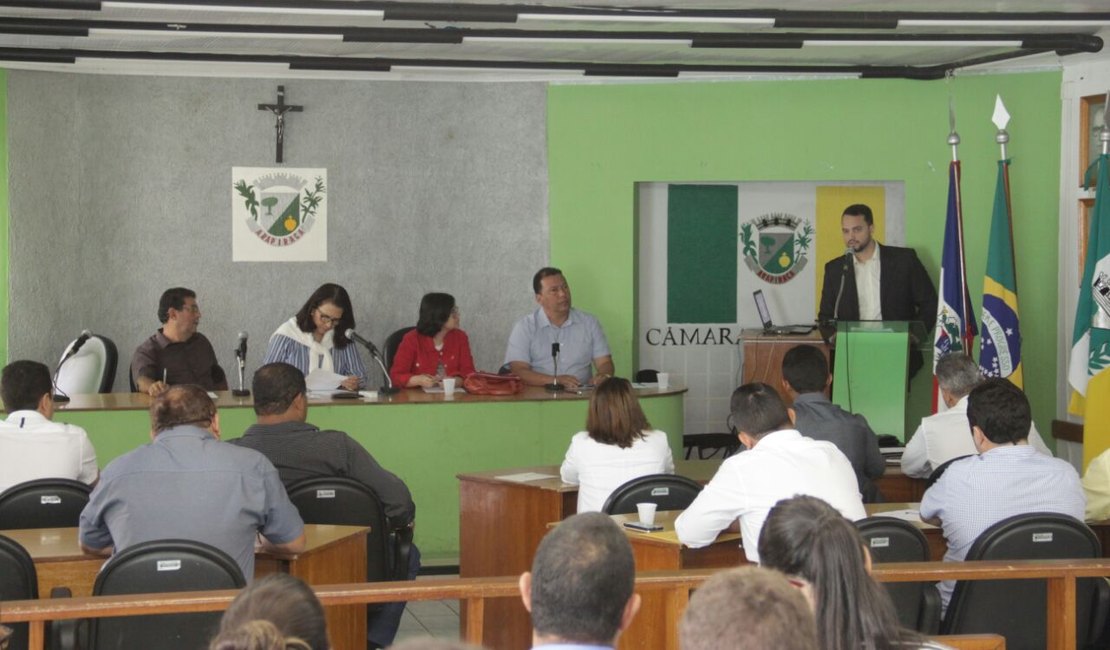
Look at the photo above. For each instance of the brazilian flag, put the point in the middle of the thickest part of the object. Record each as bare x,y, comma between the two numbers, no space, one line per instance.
1000,345
289,220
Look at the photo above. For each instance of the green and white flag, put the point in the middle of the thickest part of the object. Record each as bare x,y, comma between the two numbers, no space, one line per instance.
1089,365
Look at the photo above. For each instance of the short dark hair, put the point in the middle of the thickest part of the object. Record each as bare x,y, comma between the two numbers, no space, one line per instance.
859,210
958,374
806,537
805,368
336,295
181,404
1001,410
582,578
545,272
275,386
23,383
435,311
280,610
757,409
173,299
614,416
747,608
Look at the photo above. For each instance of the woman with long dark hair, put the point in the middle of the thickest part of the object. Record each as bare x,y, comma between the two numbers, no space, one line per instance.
804,537
617,446
437,348
316,338
278,612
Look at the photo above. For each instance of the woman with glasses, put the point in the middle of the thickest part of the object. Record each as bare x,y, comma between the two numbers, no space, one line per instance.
823,554
316,338
437,348
617,446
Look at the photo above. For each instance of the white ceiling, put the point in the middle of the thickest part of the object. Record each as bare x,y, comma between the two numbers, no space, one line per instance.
491,39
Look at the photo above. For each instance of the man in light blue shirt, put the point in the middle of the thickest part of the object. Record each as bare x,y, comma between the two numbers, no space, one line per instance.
579,591
581,342
1009,477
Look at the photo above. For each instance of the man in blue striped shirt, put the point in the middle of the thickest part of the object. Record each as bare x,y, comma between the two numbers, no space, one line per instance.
1008,477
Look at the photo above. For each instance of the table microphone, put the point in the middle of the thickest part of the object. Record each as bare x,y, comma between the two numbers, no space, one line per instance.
555,386
241,356
389,388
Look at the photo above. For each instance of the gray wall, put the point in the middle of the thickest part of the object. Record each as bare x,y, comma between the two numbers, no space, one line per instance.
121,187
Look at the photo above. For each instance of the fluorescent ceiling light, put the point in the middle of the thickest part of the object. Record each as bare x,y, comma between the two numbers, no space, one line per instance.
308,11
97,32
633,18
1030,22
584,41
820,43
569,73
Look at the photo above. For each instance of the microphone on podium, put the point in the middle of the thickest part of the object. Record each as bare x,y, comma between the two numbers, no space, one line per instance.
241,356
389,388
555,386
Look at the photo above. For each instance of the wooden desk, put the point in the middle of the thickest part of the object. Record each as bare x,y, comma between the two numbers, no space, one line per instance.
333,555
501,523
424,438
763,355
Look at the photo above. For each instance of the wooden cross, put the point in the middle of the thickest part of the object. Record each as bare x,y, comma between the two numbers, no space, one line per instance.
279,110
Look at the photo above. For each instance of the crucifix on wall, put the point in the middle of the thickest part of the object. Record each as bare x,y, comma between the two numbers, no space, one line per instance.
279,110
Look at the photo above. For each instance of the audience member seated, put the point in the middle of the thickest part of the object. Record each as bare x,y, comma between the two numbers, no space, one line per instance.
279,612
177,353
805,377
186,484
579,591
617,446
1007,478
432,643
316,338
749,608
32,446
579,335
300,451
806,538
780,463
944,436
437,348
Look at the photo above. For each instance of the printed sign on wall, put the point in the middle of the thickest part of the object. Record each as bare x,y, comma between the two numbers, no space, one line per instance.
279,214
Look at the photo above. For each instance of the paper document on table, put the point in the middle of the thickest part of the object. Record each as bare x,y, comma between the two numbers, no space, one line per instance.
323,380
525,477
909,515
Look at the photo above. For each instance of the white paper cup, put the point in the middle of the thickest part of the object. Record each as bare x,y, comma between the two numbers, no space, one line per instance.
449,385
664,380
647,513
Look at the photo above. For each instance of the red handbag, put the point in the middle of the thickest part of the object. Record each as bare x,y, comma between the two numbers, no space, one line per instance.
487,383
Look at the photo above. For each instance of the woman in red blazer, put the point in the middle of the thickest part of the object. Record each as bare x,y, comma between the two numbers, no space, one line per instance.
437,348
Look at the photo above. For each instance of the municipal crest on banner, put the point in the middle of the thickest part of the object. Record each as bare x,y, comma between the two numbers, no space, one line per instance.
279,214
776,245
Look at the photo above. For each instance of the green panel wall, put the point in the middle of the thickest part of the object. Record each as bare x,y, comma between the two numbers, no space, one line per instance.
602,139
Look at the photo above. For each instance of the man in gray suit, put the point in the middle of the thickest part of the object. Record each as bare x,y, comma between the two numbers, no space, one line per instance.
805,378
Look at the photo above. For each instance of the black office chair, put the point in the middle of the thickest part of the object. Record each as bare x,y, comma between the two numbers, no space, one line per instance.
157,567
895,540
18,581
667,491
939,471
392,342
1016,608
346,502
43,503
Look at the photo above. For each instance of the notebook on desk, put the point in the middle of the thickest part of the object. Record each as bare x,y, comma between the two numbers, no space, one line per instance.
769,326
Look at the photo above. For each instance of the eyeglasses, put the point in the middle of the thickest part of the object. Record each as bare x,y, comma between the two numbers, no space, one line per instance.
328,320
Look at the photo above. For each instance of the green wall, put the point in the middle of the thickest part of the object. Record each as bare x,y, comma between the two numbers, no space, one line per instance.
603,139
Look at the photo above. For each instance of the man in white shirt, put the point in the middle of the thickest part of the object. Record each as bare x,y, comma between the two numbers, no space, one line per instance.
780,463
944,436
31,445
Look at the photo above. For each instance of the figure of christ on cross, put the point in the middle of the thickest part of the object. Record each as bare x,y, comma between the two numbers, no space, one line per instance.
279,110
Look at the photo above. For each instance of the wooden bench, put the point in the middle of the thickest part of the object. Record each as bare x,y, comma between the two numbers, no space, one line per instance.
676,585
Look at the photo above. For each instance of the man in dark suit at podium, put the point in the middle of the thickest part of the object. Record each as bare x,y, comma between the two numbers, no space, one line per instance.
873,281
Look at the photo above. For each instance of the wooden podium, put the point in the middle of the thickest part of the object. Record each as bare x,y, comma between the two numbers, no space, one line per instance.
763,355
